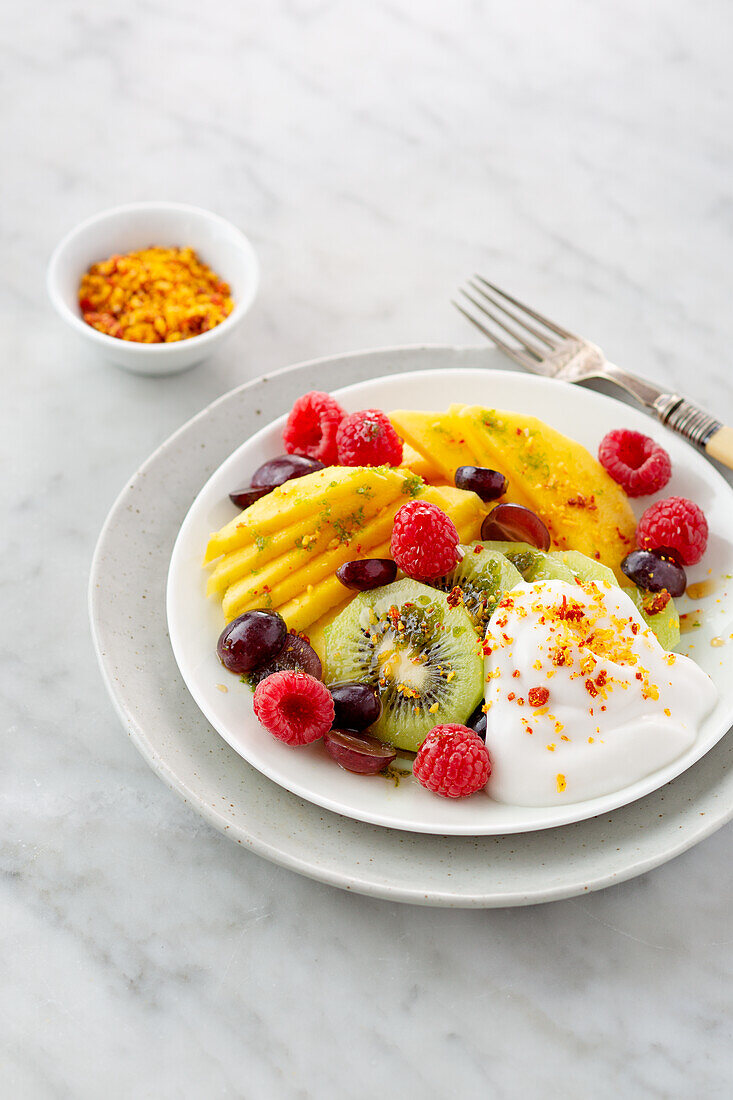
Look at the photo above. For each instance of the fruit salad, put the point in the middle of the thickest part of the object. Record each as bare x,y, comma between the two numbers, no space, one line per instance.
467,591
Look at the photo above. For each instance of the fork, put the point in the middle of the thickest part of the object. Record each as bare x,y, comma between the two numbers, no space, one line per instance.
544,347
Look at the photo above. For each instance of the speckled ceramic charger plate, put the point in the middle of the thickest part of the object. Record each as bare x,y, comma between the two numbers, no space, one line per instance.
127,605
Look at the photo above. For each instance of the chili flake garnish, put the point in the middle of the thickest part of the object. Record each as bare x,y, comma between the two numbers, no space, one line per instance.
569,612
537,697
583,502
659,603
455,596
154,296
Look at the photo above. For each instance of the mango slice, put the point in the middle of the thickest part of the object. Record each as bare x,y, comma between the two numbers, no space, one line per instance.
295,500
465,509
418,464
583,508
317,629
283,552
282,580
437,438
302,536
291,549
449,441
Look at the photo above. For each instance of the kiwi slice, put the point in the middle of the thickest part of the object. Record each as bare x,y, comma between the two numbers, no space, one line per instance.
663,618
533,564
483,576
584,568
420,653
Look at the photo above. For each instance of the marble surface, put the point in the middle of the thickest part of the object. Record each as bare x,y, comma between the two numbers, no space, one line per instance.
376,154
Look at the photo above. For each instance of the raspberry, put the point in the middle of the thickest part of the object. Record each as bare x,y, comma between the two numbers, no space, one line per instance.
675,524
367,438
295,707
424,541
635,461
452,761
312,426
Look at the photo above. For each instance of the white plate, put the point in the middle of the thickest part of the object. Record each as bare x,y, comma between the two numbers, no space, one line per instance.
195,622
127,612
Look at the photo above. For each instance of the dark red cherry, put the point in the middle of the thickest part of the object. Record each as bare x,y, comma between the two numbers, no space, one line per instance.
276,471
356,705
296,654
485,483
251,639
514,523
367,573
355,752
244,497
650,571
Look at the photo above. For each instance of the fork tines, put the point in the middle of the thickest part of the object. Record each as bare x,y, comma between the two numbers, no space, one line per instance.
529,354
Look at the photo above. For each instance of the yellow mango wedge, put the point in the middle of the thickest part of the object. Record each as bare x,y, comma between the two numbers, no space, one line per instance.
263,564
230,567
295,500
415,463
583,508
472,431
465,509
284,580
436,438
317,629
449,440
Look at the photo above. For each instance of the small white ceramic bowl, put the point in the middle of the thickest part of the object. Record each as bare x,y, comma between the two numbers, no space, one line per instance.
218,243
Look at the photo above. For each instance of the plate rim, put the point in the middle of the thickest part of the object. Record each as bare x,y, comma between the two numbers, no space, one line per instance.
575,883
566,814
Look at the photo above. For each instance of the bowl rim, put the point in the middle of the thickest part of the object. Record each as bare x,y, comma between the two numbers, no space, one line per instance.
113,343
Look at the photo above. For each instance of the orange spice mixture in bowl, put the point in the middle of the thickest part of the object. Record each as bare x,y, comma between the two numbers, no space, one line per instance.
154,296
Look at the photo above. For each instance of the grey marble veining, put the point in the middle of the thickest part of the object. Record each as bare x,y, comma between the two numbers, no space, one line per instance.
376,154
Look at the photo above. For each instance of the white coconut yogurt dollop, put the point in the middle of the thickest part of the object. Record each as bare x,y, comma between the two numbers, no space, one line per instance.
582,699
